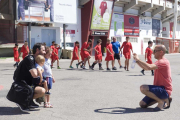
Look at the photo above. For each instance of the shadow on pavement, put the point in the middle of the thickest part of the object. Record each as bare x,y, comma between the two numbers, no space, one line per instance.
122,110
112,71
11,111
134,75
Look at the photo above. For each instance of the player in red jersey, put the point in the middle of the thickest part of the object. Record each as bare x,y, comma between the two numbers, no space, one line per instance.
98,55
126,52
52,55
109,55
148,54
25,49
75,54
16,55
55,57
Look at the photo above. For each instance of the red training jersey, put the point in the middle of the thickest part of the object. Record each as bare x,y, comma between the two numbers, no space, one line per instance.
149,53
85,45
24,51
126,47
56,50
109,46
52,47
16,54
103,7
98,48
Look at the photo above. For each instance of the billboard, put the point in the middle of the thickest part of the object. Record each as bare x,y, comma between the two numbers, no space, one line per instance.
155,27
101,15
145,25
47,11
117,24
131,25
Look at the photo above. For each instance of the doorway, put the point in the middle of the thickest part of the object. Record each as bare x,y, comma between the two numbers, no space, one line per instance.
96,38
48,35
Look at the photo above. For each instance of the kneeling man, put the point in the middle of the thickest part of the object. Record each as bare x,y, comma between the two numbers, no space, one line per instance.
160,91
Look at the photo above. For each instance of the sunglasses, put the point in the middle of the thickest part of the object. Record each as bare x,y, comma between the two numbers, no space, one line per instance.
156,51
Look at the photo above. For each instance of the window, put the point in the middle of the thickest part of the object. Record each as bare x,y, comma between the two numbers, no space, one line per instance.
68,44
133,40
119,39
146,40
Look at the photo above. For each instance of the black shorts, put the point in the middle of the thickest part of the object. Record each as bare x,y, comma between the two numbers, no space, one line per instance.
117,56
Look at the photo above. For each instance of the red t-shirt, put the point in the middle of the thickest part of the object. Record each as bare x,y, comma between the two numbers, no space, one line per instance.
52,47
109,46
56,50
98,48
85,45
75,51
162,75
16,54
149,53
126,47
103,7
24,51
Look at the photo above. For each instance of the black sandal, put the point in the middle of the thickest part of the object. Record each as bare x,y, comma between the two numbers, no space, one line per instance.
170,100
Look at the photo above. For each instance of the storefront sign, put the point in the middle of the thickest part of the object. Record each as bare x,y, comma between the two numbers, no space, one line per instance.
98,33
46,11
156,27
117,24
131,25
145,25
101,15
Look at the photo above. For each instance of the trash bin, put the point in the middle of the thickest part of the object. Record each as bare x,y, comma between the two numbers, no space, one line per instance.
69,54
64,52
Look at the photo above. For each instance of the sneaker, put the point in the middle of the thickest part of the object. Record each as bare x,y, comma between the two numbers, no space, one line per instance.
108,69
33,105
142,72
77,66
70,67
101,68
47,93
90,67
58,67
121,66
114,68
23,108
82,66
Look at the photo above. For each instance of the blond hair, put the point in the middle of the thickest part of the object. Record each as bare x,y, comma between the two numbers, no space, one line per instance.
108,39
40,59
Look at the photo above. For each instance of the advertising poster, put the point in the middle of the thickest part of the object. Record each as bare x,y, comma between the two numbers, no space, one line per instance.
101,15
117,24
145,25
47,11
155,27
171,29
131,25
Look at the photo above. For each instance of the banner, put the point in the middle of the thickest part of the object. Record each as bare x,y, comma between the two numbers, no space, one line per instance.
156,27
47,11
131,25
117,24
145,25
101,15
171,29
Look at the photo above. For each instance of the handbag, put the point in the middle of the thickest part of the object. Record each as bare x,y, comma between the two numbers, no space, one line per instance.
21,93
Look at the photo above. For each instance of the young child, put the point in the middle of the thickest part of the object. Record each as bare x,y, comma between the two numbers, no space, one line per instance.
57,47
148,54
40,60
25,50
75,54
126,52
52,55
16,55
109,54
98,55
48,75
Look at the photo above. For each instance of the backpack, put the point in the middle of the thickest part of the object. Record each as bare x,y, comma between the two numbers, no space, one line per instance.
17,71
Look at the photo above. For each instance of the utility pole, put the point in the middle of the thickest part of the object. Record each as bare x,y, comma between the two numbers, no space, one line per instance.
29,36
175,24
64,35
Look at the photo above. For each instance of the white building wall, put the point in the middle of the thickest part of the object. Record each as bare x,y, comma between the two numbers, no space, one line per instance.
37,36
136,45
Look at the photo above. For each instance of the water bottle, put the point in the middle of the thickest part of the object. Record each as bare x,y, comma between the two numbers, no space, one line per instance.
133,64
121,55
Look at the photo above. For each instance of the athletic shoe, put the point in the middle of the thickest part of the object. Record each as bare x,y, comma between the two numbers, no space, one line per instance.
85,68
58,67
114,68
47,93
82,66
90,67
23,108
101,68
108,69
121,66
70,67
33,105
142,72
77,66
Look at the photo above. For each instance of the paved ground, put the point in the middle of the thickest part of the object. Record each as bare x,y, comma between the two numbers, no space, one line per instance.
92,95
